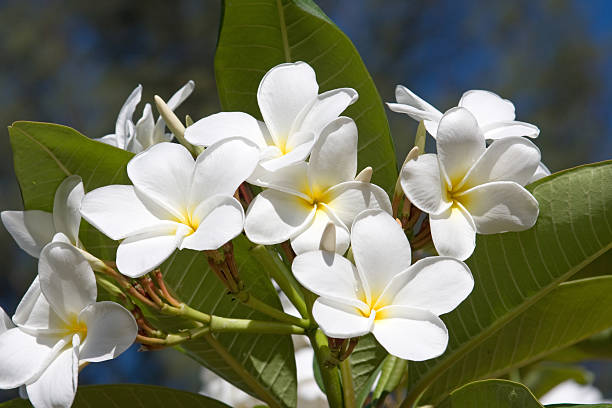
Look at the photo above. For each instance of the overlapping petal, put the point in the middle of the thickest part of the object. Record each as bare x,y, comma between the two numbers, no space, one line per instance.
341,320
274,217
57,385
510,159
500,206
380,248
323,109
334,155
282,94
124,120
220,219
415,107
409,333
423,185
500,130
66,207
111,330
487,107
66,279
453,232
34,314
541,172
459,143
117,211
310,238
224,125
31,230
345,200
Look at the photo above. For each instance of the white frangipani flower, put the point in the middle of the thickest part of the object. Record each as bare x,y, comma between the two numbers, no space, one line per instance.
146,132
303,198
293,111
175,202
33,229
59,324
384,294
468,188
570,392
494,115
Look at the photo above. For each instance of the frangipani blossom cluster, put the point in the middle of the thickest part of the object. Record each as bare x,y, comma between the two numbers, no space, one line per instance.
303,160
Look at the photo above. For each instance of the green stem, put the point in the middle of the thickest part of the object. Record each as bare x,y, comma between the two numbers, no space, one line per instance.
331,379
348,389
173,339
283,277
241,371
260,306
226,324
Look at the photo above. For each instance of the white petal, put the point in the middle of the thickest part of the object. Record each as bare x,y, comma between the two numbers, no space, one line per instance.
108,139
141,253
541,172
224,125
380,248
334,155
487,107
111,330
346,200
437,284
221,168
310,238
66,279
125,117
453,232
220,219
459,142
296,155
331,276
34,314
500,206
416,108
66,207
283,92
117,211
5,321
145,130
510,159
410,334
500,130
163,174
423,185
57,385
179,96
292,179
24,356
340,320
323,109
274,217
31,230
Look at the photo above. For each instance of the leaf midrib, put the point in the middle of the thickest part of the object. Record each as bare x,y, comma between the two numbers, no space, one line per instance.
425,381
283,31
43,148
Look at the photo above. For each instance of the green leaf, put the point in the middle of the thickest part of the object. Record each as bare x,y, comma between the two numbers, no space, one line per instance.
491,393
392,371
543,377
256,36
131,395
366,360
494,328
45,154
597,347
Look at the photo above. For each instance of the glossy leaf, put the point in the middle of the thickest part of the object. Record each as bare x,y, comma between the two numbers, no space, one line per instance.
256,36
491,393
513,272
132,396
45,154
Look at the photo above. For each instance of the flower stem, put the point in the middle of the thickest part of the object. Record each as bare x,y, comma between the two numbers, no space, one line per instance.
225,324
331,379
282,276
348,390
260,306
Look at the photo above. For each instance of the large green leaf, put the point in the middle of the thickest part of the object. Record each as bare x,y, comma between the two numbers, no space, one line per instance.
596,347
491,393
132,396
365,361
257,35
45,154
544,376
513,271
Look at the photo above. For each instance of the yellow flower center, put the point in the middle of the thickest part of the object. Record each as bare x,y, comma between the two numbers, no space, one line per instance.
75,326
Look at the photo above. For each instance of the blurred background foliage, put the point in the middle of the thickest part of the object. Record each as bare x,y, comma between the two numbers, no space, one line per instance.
74,62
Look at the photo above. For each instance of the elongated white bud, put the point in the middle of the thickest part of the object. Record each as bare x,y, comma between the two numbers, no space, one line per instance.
365,175
328,240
